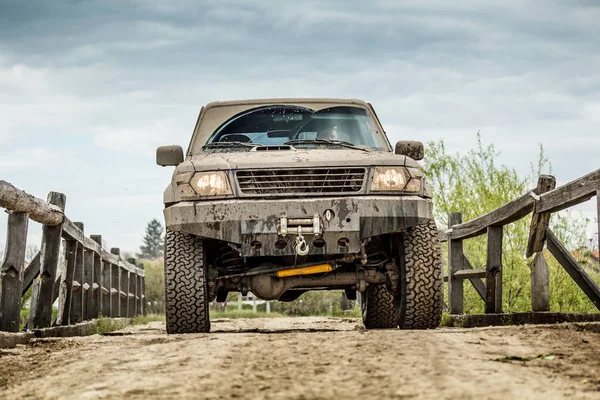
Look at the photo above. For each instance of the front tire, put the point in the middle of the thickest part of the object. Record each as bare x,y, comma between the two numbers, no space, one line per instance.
421,280
186,290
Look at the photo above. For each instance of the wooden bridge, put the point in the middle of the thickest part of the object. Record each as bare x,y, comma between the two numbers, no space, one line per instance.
92,282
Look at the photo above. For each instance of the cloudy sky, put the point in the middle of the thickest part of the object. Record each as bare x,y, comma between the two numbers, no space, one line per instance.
88,90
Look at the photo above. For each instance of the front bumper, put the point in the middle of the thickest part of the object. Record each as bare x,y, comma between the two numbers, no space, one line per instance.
246,222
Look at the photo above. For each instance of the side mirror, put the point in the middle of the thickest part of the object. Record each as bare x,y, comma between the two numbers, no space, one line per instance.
169,155
410,148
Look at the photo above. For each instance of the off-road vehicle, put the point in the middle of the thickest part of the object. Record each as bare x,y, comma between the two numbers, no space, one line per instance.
282,196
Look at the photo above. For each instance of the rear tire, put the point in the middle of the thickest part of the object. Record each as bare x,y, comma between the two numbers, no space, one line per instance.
186,291
421,281
378,307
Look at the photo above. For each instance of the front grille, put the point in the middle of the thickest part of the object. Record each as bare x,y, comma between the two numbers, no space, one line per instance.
301,181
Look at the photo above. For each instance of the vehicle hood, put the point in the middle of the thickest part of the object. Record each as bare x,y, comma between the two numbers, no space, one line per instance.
294,158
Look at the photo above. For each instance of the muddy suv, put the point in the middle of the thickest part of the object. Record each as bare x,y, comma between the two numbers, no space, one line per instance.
279,197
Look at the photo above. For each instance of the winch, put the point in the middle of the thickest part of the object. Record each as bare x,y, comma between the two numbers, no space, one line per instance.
301,227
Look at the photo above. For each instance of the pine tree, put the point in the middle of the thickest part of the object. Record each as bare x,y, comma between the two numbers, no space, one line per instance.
152,243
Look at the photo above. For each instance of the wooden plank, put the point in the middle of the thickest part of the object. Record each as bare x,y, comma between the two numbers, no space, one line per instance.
493,278
574,192
11,272
106,282
477,283
65,296
115,301
77,295
539,221
97,279
88,281
31,272
504,215
17,200
455,263
56,290
143,288
540,283
583,280
124,290
520,318
470,273
442,236
41,310
138,293
72,232
131,312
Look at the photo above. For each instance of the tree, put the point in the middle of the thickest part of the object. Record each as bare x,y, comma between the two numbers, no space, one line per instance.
152,243
155,286
474,184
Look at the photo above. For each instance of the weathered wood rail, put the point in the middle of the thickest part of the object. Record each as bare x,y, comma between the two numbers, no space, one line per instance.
92,282
542,201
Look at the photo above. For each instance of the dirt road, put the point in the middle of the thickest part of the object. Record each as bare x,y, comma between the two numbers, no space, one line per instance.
307,358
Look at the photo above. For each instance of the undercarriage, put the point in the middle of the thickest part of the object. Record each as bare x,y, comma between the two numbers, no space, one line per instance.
285,278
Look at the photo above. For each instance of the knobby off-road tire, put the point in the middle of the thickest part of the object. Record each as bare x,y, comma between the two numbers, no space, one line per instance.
186,291
421,280
378,307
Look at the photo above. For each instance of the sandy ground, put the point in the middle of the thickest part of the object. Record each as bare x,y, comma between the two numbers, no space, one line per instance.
308,358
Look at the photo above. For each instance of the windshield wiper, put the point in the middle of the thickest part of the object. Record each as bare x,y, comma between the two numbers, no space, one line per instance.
327,141
230,144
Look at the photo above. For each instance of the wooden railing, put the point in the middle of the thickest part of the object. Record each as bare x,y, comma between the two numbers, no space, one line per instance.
544,200
92,282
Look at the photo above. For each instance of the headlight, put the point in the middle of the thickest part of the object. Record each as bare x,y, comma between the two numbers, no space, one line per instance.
211,184
389,179
394,179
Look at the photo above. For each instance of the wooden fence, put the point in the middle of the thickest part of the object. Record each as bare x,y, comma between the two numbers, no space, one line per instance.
542,201
93,281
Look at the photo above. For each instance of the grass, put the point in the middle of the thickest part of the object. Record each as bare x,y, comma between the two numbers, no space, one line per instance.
446,320
104,325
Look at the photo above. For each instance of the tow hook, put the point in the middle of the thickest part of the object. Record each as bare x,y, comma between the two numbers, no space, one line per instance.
301,245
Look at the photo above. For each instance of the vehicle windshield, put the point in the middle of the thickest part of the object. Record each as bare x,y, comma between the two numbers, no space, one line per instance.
334,127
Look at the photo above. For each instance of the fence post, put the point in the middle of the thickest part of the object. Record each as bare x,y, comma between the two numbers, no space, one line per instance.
540,283
97,280
540,277
143,296
138,289
106,289
539,221
131,290
115,286
41,308
598,218
12,271
77,299
65,296
455,263
493,277
88,282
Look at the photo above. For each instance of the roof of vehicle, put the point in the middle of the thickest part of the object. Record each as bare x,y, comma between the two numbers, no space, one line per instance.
217,112
259,102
